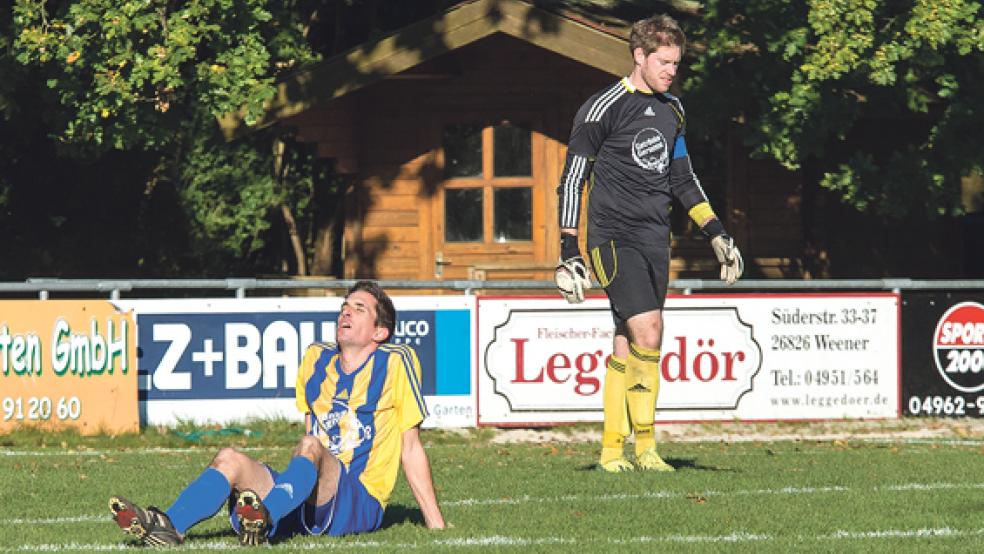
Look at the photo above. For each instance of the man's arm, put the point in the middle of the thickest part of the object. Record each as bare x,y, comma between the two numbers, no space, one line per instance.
591,127
686,188
571,274
417,469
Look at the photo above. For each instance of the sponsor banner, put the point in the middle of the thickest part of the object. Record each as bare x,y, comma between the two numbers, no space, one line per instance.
943,353
66,363
724,357
223,360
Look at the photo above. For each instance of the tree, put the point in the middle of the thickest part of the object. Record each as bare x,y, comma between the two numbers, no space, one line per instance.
110,106
148,78
879,99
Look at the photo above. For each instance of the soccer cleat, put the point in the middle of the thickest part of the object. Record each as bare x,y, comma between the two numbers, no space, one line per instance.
254,520
618,465
150,526
649,460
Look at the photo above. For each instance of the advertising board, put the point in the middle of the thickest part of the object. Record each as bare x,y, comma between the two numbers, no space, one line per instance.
67,363
724,357
224,360
943,353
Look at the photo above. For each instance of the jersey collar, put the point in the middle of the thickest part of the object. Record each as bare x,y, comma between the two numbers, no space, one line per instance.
627,83
342,374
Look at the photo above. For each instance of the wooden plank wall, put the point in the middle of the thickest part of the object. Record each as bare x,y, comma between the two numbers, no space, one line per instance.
391,125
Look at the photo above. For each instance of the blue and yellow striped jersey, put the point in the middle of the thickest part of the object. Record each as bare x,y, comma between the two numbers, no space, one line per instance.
361,417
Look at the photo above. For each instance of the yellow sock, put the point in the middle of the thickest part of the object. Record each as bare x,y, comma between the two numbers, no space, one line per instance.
642,387
616,426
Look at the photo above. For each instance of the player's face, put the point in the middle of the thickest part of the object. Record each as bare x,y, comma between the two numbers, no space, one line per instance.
357,321
659,68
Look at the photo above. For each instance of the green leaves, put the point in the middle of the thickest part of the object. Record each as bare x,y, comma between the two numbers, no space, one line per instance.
145,79
121,67
815,74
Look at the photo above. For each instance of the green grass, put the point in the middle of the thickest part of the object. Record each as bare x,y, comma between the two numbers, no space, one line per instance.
824,496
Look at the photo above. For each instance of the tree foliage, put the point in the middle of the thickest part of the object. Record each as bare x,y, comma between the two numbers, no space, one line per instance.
230,190
136,74
881,97
88,83
150,77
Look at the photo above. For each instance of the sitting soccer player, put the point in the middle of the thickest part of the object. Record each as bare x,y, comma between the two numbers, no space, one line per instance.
363,407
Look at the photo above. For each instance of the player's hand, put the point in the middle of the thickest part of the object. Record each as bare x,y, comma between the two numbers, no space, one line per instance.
732,265
572,279
571,275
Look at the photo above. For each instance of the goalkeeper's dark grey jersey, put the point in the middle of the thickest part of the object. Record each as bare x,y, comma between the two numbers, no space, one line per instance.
631,145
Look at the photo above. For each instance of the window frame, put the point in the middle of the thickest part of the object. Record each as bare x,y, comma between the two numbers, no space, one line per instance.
488,182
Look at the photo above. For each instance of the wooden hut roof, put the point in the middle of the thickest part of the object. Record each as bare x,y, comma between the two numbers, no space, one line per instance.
592,33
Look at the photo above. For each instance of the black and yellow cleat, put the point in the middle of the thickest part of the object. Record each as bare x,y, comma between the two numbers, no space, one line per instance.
254,520
148,525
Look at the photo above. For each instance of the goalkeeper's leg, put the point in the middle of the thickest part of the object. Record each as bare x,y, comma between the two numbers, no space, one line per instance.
642,388
616,426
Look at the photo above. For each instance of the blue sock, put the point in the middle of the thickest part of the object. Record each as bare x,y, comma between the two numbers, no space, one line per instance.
291,488
199,500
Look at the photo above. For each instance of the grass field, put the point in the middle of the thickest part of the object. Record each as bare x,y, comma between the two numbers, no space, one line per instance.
871,495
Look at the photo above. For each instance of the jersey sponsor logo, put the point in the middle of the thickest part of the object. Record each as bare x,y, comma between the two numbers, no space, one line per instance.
351,433
958,346
650,151
649,111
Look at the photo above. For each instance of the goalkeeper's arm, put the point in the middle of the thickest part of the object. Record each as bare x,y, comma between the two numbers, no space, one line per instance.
727,254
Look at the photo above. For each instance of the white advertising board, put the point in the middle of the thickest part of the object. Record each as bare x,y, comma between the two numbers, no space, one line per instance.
759,357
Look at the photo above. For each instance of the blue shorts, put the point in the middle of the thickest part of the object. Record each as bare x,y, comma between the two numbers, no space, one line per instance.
352,510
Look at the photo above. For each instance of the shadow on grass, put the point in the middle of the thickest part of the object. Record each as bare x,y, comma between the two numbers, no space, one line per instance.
397,514
689,463
195,536
677,463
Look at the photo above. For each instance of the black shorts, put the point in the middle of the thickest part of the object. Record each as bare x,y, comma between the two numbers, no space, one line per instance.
634,278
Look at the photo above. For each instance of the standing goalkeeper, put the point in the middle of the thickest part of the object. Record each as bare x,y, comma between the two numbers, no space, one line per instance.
629,139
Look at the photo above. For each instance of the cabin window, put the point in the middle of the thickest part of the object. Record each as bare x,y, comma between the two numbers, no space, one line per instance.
513,212
463,215
488,195
462,151
512,151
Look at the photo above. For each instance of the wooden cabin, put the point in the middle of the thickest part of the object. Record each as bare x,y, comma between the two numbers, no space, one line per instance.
451,133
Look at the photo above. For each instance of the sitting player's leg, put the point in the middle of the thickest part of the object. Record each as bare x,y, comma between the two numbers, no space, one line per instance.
343,506
201,499
310,471
339,505
616,425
